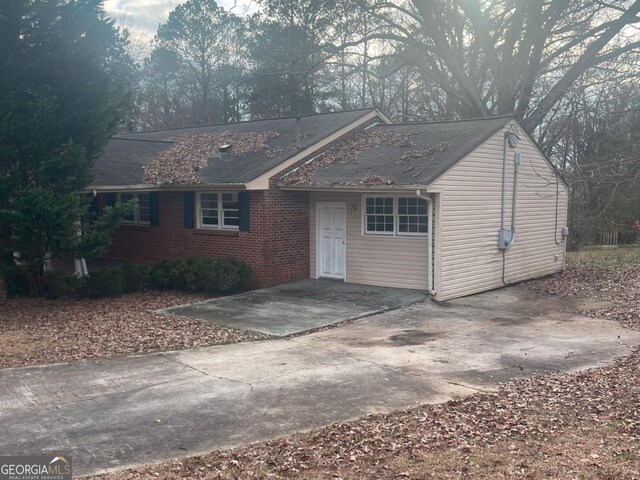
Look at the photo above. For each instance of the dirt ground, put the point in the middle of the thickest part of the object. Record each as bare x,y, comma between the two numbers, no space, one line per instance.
42,331
561,426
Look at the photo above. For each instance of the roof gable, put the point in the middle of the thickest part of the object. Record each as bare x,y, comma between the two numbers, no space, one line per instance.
125,156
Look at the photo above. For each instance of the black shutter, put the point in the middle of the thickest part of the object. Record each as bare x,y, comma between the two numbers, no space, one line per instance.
189,210
243,211
110,199
154,206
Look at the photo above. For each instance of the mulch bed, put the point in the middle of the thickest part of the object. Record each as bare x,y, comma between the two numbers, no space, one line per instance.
582,425
41,331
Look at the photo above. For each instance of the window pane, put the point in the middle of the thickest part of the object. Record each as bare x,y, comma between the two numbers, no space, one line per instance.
209,209
230,221
412,215
209,200
379,214
144,208
230,214
130,217
379,205
210,217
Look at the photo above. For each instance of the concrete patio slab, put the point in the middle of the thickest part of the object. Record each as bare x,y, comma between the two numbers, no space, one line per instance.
299,306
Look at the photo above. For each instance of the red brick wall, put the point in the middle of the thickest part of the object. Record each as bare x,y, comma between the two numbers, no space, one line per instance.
277,247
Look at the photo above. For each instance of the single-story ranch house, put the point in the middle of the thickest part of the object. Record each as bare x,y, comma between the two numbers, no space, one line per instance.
453,207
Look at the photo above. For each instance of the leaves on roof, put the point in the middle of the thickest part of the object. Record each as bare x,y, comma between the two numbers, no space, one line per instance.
345,152
192,152
374,180
349,150
419,154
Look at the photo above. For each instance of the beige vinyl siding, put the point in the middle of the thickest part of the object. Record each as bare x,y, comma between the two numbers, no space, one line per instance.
470,192
374,260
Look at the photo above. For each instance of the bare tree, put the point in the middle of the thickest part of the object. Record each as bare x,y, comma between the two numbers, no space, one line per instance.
503,56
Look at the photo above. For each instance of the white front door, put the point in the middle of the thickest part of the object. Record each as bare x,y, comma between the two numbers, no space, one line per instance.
332,239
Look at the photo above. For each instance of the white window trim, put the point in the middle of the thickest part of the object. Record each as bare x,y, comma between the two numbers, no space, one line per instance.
364,216
396,218
220,225
136,213
397,222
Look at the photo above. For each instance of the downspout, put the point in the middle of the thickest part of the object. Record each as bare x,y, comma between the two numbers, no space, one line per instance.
429,201
516,168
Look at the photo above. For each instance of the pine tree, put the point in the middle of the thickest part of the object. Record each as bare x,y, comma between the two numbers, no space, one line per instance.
64,89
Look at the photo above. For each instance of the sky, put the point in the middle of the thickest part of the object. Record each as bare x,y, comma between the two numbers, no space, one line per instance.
144,15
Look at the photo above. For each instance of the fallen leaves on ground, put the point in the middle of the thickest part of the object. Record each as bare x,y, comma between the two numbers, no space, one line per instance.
579,425
618,287
522,413
192,152
41,331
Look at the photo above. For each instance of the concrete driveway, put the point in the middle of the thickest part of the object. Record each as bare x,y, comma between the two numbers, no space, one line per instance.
131,410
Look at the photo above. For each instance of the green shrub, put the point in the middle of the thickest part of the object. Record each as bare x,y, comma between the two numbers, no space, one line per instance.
136,277
244,273
200,275
227,277
168,274
105,282
205,274
64,283
16,282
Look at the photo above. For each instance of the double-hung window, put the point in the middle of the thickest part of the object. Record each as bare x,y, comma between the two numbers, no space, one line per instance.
395,216
413,218
379,215
218,210
142,214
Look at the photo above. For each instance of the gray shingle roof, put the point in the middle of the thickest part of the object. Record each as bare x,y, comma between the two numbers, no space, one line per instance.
396,164
124,156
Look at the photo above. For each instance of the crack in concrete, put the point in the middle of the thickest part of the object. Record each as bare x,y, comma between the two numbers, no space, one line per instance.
464,385
82,399
207,374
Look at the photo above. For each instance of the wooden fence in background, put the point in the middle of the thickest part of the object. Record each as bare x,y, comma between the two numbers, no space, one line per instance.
619,238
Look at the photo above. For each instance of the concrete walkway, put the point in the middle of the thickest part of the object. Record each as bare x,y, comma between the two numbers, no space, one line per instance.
131,410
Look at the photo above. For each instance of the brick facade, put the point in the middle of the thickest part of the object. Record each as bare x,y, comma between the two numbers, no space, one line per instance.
276,247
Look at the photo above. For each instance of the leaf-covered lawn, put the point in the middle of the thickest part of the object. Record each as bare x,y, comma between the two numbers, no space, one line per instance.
609,256
560,426
41,331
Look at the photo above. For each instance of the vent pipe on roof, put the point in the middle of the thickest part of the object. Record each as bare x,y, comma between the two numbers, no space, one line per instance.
297,132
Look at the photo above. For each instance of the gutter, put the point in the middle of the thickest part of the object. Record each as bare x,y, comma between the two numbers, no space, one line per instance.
429,201
352,188
149,187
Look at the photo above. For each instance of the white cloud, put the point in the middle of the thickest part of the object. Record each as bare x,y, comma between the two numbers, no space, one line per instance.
144,16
